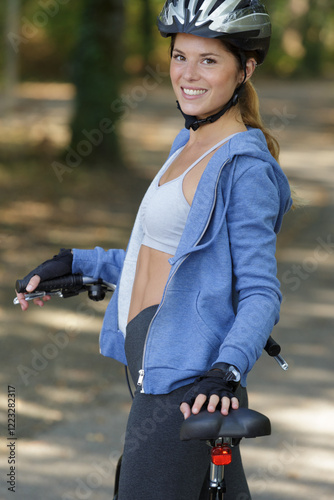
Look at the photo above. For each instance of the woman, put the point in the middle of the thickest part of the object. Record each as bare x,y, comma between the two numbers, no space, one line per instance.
197,294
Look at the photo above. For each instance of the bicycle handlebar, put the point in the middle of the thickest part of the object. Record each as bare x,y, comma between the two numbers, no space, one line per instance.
69,281
67,286
272,348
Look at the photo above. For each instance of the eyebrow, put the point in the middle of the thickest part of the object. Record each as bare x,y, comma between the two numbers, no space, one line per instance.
205,54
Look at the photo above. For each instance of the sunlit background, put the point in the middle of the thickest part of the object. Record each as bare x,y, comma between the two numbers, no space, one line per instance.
86,119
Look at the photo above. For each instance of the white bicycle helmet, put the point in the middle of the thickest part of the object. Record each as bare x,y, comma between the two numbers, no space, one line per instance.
244,24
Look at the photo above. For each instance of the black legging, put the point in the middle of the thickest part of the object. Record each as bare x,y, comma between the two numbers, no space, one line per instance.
156,463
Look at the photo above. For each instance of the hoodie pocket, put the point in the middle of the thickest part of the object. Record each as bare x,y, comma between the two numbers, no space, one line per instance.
179,338
207,333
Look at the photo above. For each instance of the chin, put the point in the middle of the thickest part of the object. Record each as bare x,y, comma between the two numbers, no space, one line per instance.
193,110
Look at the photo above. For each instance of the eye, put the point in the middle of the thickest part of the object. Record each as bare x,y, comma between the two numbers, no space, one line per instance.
178,57
208,61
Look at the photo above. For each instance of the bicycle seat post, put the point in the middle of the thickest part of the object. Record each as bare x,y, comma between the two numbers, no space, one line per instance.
221,455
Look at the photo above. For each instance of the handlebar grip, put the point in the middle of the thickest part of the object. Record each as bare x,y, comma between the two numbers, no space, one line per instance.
69,281
272,348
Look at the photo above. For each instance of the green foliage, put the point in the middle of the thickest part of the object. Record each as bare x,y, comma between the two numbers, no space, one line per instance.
301,46
142,40
49,32
302,41
2,40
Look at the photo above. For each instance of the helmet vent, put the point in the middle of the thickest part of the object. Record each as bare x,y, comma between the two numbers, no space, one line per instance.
244,21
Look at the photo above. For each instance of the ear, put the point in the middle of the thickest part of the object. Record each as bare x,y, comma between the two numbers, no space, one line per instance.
250,67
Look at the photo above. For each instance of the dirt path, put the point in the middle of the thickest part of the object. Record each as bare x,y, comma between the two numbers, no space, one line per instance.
71,402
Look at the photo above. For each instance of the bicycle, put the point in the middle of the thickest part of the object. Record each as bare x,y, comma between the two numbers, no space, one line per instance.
219,431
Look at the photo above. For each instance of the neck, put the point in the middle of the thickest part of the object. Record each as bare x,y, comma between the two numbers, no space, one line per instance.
228,124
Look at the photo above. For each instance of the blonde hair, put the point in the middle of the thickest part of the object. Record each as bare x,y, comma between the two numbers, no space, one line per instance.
250,113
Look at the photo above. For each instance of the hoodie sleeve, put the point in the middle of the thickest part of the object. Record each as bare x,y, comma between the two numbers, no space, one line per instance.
251,218
99,263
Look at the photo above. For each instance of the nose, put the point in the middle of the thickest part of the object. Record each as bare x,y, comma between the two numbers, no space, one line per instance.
191,72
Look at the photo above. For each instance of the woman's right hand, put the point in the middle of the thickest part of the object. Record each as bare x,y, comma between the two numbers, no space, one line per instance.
59,265
32,285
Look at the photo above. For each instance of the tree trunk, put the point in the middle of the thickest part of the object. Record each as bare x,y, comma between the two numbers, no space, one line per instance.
97,75
11,77
147,25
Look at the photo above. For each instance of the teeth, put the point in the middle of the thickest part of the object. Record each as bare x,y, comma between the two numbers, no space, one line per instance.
193,92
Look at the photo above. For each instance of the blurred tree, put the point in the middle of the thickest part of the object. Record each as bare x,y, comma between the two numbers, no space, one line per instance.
302,41
312,25
140,42
48,32
97,74
147,26
11,71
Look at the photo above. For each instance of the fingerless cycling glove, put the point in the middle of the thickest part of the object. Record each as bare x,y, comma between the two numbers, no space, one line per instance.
216,381
59,265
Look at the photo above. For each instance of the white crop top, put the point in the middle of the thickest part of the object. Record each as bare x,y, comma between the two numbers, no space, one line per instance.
165,213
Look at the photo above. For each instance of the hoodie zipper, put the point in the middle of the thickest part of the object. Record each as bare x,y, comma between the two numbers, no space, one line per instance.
141,372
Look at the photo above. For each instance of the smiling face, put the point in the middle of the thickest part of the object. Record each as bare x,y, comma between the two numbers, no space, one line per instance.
204,74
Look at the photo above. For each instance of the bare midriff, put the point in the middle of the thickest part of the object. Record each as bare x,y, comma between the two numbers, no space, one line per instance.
151,277
152,265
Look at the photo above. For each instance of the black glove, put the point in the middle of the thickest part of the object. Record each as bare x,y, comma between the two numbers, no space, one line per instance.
59,265
219,382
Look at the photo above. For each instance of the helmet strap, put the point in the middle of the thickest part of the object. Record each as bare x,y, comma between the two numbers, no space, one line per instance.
194,123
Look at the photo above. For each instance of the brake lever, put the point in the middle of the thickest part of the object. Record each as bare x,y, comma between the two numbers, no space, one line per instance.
37,295
281,361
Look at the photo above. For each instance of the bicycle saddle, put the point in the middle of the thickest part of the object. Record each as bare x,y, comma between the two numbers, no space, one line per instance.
238,424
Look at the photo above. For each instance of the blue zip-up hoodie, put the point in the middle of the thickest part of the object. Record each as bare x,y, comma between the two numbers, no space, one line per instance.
222,297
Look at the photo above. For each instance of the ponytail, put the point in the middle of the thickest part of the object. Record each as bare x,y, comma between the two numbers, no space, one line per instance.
250,113
249,100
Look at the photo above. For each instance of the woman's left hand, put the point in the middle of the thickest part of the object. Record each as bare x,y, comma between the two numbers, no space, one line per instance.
214,400
214,387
